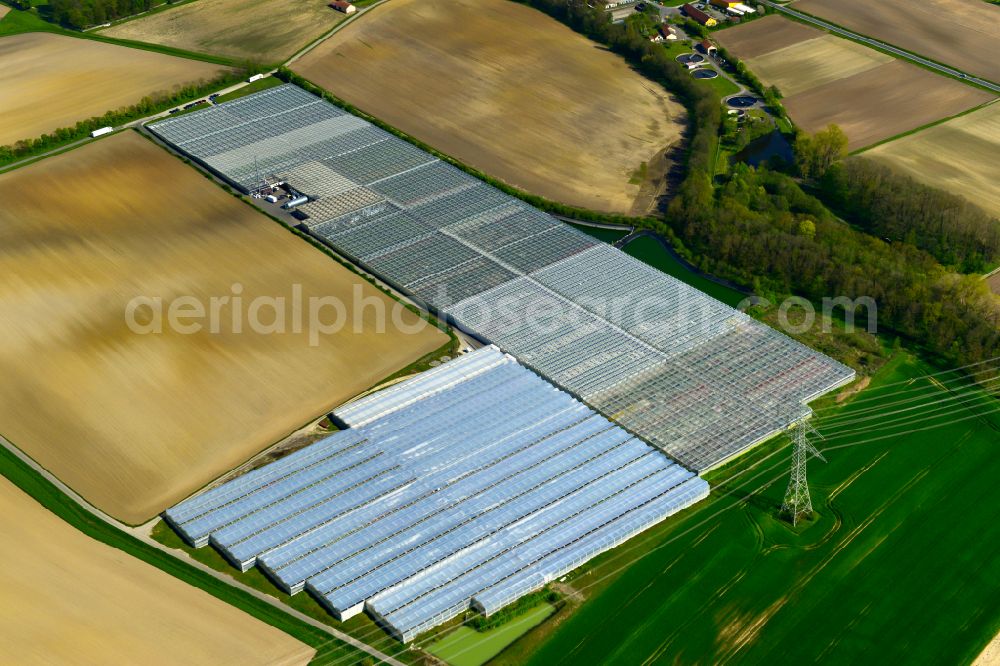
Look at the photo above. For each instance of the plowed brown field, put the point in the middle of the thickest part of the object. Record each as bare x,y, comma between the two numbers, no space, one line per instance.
826,79
68,599
136,421
510,91
961,33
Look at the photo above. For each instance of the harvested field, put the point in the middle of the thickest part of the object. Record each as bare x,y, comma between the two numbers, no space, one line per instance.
510,91
50,81
267,31
135,422
3,10
826,79
962,33
72,599
959,156
826,58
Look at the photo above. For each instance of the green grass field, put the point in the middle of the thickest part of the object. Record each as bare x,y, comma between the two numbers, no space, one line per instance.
604,235
650,251
723,87
898,565
467,647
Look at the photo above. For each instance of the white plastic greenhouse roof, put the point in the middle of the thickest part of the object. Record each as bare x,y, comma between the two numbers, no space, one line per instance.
685,372
467,486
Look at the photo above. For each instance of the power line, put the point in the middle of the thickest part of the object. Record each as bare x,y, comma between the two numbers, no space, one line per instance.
870,392
958,400
931,386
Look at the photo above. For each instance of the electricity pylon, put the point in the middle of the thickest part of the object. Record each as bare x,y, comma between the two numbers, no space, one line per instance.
797,501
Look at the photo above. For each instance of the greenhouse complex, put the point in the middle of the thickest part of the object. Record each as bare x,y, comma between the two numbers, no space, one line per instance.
700,380
464,487
485,478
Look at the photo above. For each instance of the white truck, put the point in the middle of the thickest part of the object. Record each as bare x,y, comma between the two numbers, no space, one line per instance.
101,132
255,77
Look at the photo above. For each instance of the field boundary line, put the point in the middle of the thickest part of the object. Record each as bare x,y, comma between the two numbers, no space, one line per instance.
916,130
138,533
322,38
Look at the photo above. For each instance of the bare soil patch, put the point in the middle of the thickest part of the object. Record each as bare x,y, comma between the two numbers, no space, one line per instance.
882,102
994,282
765,35
508,90
990,656
49,81
71,600
136,422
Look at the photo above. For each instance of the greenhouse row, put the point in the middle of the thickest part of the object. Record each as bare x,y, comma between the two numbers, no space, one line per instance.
463,488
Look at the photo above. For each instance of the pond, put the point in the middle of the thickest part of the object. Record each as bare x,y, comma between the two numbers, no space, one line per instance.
760,150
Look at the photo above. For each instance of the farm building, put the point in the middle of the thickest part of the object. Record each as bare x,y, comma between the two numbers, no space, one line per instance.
664,33
733,7
467,486
708,48
697,15
343,6
688,374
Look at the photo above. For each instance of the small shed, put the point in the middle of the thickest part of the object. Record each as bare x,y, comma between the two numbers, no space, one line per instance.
343,6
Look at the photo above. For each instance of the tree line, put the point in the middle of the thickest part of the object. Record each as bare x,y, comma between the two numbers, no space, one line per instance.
888,204
81,14
760,228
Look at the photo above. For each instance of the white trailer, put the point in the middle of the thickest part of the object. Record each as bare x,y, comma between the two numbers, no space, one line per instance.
101,132
255,77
